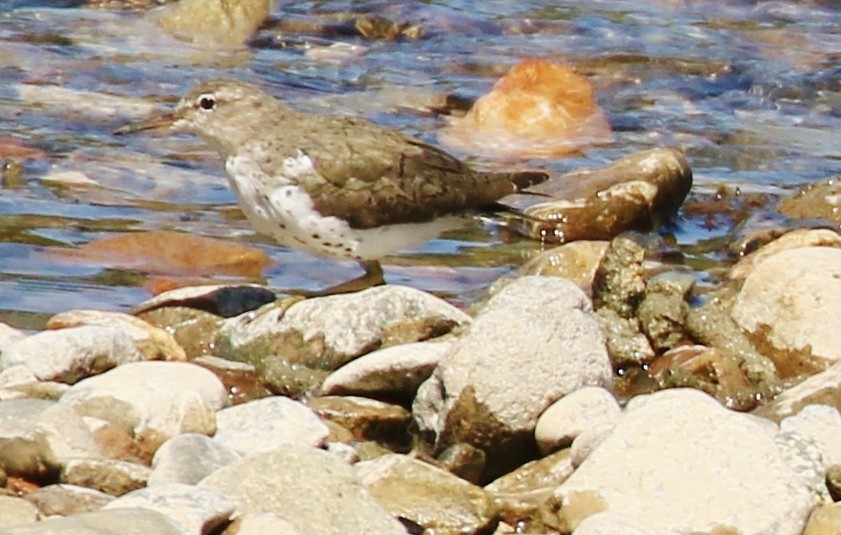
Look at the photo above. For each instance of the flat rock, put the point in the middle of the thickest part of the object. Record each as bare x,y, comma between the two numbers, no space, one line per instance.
520,493
65,500
116,522
395,371
189,458
347,326
427,495
114,478
153,342
38,437
634,193
314,490
534,342
675,449
823,388
789,306
262,523
16,511
572,415
790,240
68,355
9,335
153,400
576,261
366,419
196,510
266,424
822,425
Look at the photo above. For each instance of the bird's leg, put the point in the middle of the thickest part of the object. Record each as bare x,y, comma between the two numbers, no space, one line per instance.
373,277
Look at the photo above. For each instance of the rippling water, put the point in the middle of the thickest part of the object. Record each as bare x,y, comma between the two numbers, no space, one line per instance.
749,90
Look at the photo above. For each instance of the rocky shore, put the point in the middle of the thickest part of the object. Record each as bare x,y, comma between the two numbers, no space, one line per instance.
601,391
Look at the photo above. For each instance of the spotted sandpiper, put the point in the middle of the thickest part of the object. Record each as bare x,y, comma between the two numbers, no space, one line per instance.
333,186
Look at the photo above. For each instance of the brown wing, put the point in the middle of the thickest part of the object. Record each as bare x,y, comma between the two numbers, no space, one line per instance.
374,176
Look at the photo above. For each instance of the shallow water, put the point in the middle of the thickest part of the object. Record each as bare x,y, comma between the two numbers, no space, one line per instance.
749,90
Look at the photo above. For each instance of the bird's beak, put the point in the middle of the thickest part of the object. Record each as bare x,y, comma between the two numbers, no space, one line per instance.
153,123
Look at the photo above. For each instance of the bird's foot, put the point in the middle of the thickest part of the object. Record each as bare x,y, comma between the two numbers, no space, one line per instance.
373,277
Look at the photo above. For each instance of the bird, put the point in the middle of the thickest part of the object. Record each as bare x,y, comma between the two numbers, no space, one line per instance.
334,186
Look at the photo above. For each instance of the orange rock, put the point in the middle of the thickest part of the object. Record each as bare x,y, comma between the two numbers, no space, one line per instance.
172,253
15,148
538,109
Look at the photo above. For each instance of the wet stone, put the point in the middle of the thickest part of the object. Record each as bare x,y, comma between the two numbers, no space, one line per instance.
662,312
576,261
194,330
218,300
790,240
241,380
634,193
818,200
366,419
428,496
464,461
519,493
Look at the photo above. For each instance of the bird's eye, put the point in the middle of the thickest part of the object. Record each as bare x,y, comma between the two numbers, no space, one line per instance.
207,102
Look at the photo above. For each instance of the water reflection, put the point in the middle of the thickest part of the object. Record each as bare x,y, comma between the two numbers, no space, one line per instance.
748,89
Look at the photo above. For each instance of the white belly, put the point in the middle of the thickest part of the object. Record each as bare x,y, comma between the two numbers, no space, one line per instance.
283,210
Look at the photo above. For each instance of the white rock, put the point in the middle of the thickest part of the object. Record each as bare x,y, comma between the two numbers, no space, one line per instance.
612,524
268,423
263,523
113,522
676,449
792,301
153,400
38,437
822,424
573,414
9,335
15,511
314,490
188,458
586,442
350,324
68,355
392,370
111,476
534,342
196,510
